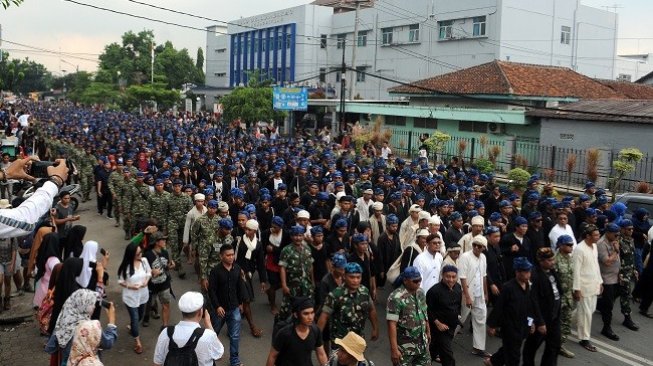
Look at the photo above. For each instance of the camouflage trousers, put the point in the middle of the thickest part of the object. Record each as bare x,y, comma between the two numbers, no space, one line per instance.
86,181
303,289
127,223
116,209
625,293
567,307
414,354
174,246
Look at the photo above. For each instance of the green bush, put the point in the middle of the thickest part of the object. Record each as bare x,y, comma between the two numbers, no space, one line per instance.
484,166
518,178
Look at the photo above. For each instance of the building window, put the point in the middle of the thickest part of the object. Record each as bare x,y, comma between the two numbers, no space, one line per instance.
386,34
360,74
413,33
446,29
425,123
565,35
567,136
624,77
470,126
220,50
341,41
323,40
337,76
395,121
280,38
220,74
256,40
288,40
479,26
361,40
264,44
323,75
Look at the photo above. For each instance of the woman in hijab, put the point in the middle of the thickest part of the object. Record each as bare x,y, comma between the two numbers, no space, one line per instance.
44,228
88,337
47,258
64,287
92,276
641,227
74,241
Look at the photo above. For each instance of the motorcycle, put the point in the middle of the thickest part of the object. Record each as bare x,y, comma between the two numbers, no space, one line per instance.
75,190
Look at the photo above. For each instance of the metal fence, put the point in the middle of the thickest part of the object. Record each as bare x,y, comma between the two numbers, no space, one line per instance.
563,166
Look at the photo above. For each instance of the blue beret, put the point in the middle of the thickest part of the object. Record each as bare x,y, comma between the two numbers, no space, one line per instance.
505,203
520,221
158,181
237,193
277,221
266,197
177,182
625,223
564,239
297,230
282,187
212,204
602,200
165,174
610,215
339,260
353,267
411,273
521,264
226,224
392,219
612,228
317,230
322,196
583,198
495,216
533,197
338,184
455,216
483,178
449,268
534,215
479,204
452,188
140,175
491,230
359,238
395,196
340,223
378,191
208,191
590,211
126,170
589,185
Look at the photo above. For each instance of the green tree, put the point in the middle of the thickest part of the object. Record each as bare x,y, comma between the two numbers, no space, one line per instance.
626,163
23,76
138,94
100,93
252,103
199,65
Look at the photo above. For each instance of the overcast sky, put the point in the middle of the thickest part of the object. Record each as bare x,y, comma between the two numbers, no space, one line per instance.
82,32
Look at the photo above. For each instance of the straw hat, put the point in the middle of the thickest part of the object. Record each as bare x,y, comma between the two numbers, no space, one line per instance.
4,203
353,344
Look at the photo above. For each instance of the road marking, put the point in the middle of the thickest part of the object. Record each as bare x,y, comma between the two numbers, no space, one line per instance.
613,355
603,346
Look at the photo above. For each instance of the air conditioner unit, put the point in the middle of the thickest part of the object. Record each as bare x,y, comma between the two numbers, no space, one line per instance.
496,128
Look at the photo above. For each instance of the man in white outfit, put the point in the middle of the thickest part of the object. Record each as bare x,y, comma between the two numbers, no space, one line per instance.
587,284
429,262
409,227
478,223
472,267
561,228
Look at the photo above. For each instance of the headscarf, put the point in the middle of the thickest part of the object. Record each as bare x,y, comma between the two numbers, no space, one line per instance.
89,255
77,307
73,245
638,220
86,340
49,248
65,286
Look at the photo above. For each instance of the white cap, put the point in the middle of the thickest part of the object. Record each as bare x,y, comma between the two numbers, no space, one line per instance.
423,215
251,224
479,239
368,191
223,206
191,301
415,208
199,197
303,214
378,206
478,220
339,195
435,220
423,232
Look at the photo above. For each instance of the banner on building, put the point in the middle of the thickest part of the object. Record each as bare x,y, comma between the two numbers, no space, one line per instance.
290,99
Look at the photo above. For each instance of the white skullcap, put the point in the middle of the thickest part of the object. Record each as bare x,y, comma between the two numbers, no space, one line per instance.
423,215
378,206
303,214
368,191
191,301
479,239
435,220
478,220
415,208
223,206
339,195
251,224
199,197
423,232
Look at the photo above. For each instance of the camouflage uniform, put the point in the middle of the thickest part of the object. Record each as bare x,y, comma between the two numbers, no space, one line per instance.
626,272
298,264
125,198
204,235
347,311
409,311
139,203
565,268
116,182
157,204
177,207
86,174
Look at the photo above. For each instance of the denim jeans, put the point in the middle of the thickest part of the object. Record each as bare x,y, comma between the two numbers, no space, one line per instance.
135,317
232,318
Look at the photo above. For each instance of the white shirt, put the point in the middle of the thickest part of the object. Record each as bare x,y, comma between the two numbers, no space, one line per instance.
473,269
385,151
558,231
429,266
142,274
191,216
363,208
20,221
466,242
587,274
209,347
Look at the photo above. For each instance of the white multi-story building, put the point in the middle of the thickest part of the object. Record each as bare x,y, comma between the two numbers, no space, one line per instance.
412,40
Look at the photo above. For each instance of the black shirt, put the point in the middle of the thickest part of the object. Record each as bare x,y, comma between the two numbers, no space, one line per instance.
226,288
159,261
444,305
512,310
294,351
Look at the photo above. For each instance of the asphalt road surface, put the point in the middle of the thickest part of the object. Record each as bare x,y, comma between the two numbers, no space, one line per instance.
634,348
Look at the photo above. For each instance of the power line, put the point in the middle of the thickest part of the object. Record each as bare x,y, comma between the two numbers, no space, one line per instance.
45,50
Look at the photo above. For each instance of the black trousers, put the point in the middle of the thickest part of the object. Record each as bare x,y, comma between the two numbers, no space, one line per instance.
441,346
510,352
605,303
551,348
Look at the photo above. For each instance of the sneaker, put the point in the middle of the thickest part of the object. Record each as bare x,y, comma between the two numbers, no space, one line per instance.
566,353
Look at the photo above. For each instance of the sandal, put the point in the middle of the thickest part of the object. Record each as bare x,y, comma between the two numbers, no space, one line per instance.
588,346
479,353
138,349
256,332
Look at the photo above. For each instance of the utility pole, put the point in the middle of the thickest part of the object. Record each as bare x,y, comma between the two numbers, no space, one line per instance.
353,50
343,80
152,63
614,57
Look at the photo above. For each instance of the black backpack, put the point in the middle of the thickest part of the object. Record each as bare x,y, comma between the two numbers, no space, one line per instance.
184,356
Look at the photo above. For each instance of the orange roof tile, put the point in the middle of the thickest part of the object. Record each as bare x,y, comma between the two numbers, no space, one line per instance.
515,79
630,90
